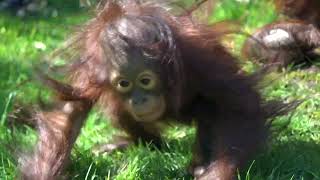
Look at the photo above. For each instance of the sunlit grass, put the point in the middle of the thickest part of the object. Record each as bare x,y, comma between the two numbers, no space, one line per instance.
294,154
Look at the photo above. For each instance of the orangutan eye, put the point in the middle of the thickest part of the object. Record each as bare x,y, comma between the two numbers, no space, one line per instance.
123,85
147,80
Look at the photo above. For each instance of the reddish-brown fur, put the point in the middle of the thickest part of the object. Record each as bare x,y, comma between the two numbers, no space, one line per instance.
305,10
299,48
202,81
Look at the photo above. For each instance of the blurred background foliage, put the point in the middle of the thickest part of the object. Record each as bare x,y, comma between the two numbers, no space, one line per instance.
28,38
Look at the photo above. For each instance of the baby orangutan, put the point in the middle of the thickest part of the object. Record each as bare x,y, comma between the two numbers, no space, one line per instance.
284,43
144,66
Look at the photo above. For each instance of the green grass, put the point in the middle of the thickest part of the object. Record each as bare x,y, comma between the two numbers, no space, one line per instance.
293,154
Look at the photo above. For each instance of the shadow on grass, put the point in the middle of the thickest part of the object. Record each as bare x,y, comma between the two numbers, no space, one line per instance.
137,162
296,160
293,159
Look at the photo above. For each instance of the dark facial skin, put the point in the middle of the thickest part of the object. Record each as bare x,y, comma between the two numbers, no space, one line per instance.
135,73
140,89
